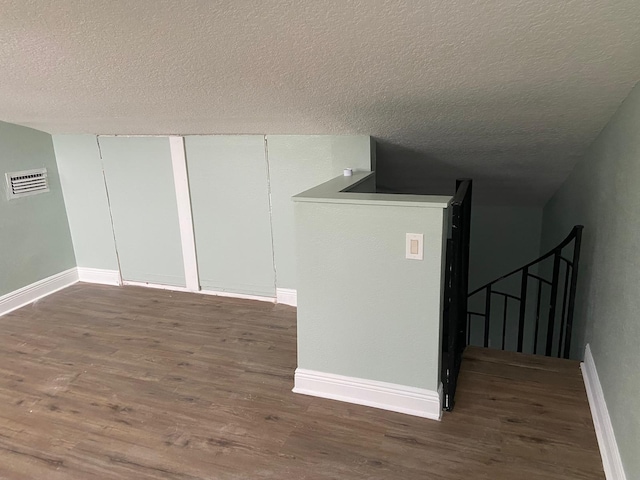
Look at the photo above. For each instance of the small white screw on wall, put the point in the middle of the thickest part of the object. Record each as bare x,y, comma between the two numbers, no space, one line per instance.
415,243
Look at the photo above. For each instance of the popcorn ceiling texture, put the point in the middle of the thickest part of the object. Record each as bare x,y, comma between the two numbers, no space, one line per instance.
508,92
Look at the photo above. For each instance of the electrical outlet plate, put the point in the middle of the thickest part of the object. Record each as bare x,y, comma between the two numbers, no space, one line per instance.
415,246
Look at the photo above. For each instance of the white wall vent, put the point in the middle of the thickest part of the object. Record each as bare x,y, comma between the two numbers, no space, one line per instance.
28,182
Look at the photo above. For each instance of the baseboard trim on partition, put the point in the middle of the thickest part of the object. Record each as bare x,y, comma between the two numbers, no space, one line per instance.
37,290
98,275
287,296
386,396
609,452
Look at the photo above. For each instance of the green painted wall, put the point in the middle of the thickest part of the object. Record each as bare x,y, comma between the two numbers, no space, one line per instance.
603,194
231,178
34,232
145,215
297,163
230,203
85,197
364,310
503,238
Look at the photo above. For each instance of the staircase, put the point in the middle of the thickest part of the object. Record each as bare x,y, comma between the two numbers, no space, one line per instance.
456,283
529,310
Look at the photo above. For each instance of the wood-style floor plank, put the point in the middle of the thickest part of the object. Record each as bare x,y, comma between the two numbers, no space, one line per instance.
104,382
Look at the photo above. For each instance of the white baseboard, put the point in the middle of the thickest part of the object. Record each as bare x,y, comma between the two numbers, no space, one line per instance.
97,275
29,294
242,296
387,396
287,296
611,460
157,285
202,292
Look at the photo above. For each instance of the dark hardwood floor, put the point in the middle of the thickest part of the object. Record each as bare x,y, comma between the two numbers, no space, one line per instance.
134,383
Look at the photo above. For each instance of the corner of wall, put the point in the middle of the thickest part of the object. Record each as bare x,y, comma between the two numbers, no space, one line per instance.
39,244
37,290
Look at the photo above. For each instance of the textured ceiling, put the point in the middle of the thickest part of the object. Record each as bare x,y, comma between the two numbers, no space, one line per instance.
508,92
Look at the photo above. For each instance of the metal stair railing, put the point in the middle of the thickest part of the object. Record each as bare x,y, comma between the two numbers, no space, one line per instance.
555,327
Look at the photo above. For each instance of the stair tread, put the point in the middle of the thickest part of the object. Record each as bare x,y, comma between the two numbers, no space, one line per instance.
524,360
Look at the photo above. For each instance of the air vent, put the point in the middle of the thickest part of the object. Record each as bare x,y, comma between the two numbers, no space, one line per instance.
29,182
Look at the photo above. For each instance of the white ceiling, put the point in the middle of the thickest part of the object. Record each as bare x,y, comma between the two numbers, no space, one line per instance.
509,92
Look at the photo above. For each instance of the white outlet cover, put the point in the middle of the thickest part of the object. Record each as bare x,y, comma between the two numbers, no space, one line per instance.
414,246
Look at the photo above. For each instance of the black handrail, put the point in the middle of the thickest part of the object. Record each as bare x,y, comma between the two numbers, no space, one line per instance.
557,334
454,332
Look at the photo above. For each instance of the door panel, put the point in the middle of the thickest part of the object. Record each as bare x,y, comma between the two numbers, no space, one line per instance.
230,204
143,205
